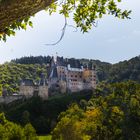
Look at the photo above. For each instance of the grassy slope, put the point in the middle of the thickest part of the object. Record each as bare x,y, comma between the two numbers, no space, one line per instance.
45,137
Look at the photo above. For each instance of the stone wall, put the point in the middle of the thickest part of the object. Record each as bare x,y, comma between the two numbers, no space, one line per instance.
61,72
63,87
27,91
9,99
43,92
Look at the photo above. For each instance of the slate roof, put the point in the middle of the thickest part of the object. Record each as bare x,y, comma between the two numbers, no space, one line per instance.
54,73
27,82
42,82
61,61
73,62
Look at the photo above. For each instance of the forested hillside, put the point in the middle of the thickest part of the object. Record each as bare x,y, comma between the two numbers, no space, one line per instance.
122,71
32,67
11,74
33,60
101,67
125,70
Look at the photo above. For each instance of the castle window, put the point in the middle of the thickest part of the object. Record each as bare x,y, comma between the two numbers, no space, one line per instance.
84,80
57,85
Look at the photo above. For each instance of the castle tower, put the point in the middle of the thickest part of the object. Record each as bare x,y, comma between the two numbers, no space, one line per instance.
26,88
63,86
43,88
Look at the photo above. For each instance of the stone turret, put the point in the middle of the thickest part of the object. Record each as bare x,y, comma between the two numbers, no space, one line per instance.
26,88
43,88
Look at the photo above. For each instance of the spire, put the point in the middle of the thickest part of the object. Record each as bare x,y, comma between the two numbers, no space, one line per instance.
43,80
55,58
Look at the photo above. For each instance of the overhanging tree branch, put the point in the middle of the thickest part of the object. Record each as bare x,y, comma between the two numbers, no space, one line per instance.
15,14
16,10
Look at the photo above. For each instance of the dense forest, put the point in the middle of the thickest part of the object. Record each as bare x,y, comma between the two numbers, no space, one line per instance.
42,114
32,67
13,131
113,113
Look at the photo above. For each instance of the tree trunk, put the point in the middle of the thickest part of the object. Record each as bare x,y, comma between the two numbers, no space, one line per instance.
14,10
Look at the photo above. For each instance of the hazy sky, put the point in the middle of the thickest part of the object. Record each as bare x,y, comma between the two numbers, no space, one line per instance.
112,41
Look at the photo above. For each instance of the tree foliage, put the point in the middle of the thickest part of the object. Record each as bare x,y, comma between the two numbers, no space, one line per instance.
113,113
11,75
12,131
41,114
85,13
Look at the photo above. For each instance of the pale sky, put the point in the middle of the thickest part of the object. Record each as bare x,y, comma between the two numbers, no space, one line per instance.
112,41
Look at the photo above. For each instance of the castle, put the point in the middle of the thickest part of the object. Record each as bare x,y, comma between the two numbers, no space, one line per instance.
64,76
70,76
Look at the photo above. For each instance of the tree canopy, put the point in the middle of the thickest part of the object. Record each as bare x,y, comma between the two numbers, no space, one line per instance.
12,131
15,14
112,114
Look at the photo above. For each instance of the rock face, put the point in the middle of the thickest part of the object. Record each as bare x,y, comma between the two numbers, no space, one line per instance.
15,10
